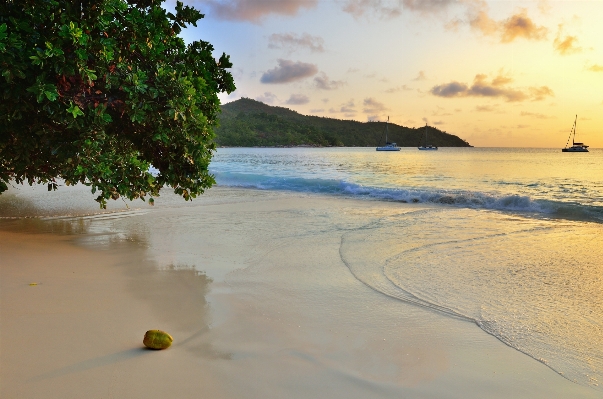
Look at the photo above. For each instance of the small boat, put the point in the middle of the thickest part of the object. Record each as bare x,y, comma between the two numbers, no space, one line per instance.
576,147
426,146
388,146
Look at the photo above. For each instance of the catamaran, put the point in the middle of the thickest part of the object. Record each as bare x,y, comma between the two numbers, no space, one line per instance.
426,146
576,147
388,146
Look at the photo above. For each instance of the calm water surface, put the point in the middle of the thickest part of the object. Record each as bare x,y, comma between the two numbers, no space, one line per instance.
544,181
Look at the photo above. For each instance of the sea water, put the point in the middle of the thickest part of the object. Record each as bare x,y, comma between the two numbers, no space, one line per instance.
542,181
508,239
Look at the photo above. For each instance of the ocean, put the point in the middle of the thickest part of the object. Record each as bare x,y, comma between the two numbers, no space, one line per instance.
509,239
543,182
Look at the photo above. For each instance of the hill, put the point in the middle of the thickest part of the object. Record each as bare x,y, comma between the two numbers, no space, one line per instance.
250,123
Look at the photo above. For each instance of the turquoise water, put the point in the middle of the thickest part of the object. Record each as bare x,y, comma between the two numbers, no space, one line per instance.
540,181
508,239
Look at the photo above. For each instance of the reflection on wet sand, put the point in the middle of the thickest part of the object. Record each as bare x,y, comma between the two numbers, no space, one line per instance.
184,309
24,201
97,293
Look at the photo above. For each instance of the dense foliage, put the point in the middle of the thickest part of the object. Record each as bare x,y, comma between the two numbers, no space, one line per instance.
96,91
249,123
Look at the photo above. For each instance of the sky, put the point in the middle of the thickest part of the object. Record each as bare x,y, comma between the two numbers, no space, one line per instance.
495,73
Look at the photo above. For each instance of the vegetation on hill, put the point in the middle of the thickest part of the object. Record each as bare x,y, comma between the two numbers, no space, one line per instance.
250,123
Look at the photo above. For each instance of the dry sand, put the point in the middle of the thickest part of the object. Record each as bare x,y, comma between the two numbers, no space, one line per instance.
252,287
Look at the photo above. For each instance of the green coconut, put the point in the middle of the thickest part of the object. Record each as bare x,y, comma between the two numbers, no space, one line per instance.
157,339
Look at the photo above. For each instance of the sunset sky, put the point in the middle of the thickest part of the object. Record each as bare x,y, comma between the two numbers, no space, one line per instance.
495,73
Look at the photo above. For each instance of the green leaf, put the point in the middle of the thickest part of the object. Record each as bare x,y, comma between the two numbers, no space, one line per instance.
74,110
51,95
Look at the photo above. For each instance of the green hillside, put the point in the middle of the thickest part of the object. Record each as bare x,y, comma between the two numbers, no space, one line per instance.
250,123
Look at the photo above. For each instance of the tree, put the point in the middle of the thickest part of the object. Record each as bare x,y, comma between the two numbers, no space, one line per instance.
96,91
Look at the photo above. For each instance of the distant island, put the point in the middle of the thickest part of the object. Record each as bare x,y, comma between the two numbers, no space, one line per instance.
250,123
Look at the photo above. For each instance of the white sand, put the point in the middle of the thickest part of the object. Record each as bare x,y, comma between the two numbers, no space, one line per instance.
276,313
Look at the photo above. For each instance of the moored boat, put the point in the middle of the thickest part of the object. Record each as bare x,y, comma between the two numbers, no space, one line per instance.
388,146
576,147
426,146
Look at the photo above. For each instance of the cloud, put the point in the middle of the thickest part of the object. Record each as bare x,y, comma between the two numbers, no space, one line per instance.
298,99
480,20
544,7
484,108
379,8
323,83
595,68
452,89
539,93
420,76
535,115
501,80
495,108
372,106
520,25
387,9
292,42
348,107
496,88
398,88
428,6
289,71
481,88
476,15
255,10
267,98
566,45
226,98
440,112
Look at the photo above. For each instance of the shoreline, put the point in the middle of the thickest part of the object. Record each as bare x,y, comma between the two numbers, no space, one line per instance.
252,287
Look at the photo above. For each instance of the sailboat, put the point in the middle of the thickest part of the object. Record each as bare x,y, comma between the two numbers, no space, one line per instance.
576,147
388,146
426,146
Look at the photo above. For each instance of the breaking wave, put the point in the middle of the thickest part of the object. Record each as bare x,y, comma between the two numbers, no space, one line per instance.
458,198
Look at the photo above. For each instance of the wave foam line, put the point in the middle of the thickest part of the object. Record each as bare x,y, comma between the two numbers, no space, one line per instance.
97,216
381,283
458,198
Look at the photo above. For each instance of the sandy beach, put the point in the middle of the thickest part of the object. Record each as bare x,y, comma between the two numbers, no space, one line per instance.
252,286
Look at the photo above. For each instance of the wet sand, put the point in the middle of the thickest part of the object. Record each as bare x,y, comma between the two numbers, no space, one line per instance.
253,288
